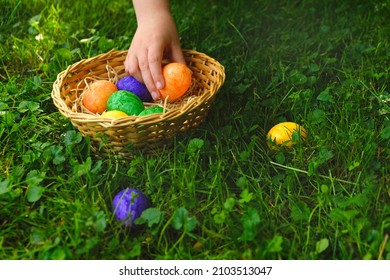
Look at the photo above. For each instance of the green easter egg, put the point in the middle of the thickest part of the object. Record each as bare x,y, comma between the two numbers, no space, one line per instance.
125,101
152,110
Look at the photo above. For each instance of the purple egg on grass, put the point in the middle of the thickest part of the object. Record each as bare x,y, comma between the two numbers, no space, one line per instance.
132,84
128,205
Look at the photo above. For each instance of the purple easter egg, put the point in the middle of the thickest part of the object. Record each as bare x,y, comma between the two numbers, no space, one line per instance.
128,205
132,84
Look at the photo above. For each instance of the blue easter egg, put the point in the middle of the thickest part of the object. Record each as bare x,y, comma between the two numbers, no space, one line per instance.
128,205
132,84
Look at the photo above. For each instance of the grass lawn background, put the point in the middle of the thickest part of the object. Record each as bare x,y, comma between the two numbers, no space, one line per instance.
218,192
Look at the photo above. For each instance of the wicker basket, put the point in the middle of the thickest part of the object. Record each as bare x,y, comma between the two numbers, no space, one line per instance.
122,135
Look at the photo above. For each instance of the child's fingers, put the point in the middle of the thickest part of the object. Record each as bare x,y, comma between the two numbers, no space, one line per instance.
144,66
155,56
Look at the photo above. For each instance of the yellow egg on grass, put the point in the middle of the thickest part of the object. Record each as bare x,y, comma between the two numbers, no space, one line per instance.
115,114
283,135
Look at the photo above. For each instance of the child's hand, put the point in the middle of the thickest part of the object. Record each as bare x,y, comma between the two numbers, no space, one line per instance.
156,39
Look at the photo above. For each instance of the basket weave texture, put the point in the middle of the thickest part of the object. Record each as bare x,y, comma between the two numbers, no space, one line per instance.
122,135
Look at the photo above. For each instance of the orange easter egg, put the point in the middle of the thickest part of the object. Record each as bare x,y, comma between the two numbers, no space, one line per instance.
177,77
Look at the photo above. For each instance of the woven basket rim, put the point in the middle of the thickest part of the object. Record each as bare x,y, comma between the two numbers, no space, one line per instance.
130,120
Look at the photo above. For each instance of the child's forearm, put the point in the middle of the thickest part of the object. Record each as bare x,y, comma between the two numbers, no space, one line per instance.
148,9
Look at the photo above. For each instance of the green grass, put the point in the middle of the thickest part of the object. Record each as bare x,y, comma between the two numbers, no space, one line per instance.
218,192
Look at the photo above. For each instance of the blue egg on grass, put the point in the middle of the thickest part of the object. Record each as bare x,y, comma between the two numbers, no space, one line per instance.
132,84
128,205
